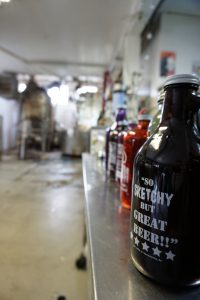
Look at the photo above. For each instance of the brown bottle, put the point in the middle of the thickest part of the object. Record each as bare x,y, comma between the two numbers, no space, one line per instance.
165,220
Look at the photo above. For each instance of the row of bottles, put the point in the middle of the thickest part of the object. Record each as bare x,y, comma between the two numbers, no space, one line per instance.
123,140
157,167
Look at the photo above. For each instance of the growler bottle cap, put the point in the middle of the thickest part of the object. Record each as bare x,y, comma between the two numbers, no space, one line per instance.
144,117
181,78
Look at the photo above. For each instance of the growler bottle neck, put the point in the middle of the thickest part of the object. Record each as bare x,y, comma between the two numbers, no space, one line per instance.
178,102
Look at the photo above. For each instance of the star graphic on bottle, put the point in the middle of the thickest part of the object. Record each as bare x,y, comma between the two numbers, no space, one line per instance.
131,235
136,241
170,255
145,246
156,251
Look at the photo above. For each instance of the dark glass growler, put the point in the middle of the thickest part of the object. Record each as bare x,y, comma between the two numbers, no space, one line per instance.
165,214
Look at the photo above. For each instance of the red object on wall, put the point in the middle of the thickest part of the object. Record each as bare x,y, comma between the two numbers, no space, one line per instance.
167,63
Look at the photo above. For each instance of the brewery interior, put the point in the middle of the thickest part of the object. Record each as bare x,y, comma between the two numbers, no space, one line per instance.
63,66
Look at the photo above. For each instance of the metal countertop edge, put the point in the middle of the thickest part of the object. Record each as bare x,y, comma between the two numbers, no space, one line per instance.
88,223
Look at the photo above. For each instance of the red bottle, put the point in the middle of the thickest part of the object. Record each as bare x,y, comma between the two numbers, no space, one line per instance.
120,149
133,141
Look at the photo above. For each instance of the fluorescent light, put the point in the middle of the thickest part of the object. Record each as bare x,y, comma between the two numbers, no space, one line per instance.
59,96
4,1
54,94
149,36
64,94
21,87
87,89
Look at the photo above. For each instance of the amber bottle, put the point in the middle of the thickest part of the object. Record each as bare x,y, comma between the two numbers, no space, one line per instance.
132,142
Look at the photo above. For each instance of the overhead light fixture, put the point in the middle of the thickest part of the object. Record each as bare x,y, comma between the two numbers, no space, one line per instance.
4,1
90,89
149,36
59,95
21,87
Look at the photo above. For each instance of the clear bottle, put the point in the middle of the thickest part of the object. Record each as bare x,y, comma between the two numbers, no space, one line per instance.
121,124
165,220
132,142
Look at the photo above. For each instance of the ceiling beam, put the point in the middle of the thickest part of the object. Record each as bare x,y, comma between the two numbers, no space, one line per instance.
13,54
68,63
53,62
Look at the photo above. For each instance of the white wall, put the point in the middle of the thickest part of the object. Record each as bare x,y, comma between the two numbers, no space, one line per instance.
131,61
181,33
9,110
178,33
131,65
150,68
89,110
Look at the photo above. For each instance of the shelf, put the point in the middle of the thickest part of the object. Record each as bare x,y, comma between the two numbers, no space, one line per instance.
113,276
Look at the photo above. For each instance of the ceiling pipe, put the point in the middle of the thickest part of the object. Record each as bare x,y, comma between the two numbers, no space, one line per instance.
68,63
12,54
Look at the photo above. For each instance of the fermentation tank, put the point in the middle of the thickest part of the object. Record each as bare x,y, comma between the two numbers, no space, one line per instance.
36,124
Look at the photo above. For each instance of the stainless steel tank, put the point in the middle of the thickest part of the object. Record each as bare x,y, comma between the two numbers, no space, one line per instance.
36,124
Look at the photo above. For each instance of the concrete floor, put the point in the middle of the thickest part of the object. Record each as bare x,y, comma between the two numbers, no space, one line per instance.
41,228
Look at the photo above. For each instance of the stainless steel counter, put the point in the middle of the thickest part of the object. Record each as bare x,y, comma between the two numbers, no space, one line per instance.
113,277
